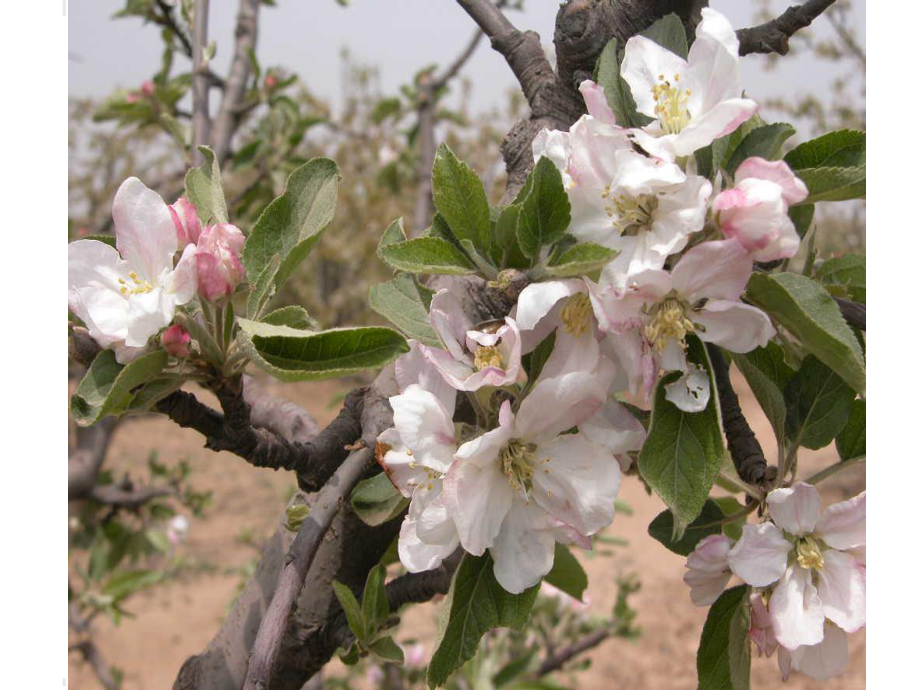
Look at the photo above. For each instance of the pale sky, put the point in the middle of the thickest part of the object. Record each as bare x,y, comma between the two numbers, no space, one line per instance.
398,36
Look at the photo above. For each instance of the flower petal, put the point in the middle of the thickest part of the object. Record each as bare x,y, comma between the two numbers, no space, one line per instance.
144,232
148,313
425,427
843,525
557,404
400,467
416,555
708,570
450,321
523,550
596,102
537,300
643,62
796,509
778,172
842,589
795,610
736,326
183,281
759,558
826,659
713,270
690,392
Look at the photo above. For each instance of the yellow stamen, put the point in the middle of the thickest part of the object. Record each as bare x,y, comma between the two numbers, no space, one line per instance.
487,356
671,105
517,465
668,323
576,314
808,553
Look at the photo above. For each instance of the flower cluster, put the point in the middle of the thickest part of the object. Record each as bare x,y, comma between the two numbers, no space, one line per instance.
807,569
162,257
539,461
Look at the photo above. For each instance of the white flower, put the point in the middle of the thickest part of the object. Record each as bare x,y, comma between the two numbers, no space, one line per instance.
489,356
821,661
755,210
820,580
707,569
521,487
126,296
693,101
416,453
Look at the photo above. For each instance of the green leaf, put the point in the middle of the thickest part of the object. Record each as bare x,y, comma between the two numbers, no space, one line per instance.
682,453
662,529
374,603
427,255
765,142
394,234
806,310
123,584
668,32
353,612
580,260
848,273
376,500
483,264
506,238
293,316
833,184
729,505
723,660
846,147
476,604
385,107
801,217
616,90
264,288
105,239
534,361
388,650
460,198
567,574
545,212
709,159
851,443
106,386
291,225
767,374
404,302
203,188
290,354
818,404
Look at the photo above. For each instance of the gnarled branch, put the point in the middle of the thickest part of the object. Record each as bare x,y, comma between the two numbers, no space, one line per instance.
773,36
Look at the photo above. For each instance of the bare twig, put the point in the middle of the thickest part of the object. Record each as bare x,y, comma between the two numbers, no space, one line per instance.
853,312
331,497
228,117
201,120
88,648
773,36
119,497
557,660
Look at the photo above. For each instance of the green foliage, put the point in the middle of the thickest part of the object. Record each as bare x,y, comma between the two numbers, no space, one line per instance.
476,604
460,198
107,386
567,574
427,255
833,166
545,212
851,443
579,260
723,660
662,529
367,619
203,188
293,316
291,354
263,289
683,451
765,142
291,225
616,90
845,276
376,500
404,302
668,32
818,404
767,374
806,310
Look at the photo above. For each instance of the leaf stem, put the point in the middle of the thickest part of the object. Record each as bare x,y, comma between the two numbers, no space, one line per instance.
834,469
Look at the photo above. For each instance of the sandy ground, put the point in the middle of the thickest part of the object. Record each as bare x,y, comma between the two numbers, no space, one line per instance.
178,618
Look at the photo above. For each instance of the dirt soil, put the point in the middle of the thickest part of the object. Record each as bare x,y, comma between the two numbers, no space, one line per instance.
178,618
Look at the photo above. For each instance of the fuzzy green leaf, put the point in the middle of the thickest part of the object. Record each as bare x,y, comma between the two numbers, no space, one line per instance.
567,574
545,212
203,188
818,404
106,386
460,198
427,255
376,500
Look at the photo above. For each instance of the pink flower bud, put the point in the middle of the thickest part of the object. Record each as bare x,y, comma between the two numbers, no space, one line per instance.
218,259
132,97
147,88
270,82
176,340
185,218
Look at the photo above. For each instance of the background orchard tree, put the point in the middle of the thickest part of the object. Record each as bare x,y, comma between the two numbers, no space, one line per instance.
487,253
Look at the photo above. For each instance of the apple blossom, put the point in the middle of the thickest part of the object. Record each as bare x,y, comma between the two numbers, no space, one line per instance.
524,485
489,356
218,260
707,569
176,340
185,218
127,294
693,101
803,555
755,210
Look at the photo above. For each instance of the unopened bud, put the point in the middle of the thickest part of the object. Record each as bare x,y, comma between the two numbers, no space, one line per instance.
176,341
185,219
218,260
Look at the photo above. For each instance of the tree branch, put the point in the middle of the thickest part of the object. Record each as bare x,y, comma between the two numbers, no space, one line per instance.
773,36
331,497
225,123
557,660
853,312
88,648
201,121
747,455
130,499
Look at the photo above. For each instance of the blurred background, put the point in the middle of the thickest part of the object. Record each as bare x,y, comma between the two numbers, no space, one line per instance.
351,81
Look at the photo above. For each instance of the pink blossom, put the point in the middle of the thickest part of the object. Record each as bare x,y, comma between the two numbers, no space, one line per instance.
185,218
218,259
176,340
147,88
707,569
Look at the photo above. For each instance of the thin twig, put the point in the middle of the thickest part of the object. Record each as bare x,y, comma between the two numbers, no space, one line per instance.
773,36
853,312
267,645
557,660
834,469
88,648
201,120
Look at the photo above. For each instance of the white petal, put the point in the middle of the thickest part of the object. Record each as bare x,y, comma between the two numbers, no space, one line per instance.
450,321
94,264
596,102
104,312
148,313
576,482
434,525
557,404
415,554
796,509
425,427
643,62
736,326
826,659
714,73
572,352
843,525
714,270
400,467
537,299
795,610
778,172
413,367
144,230
690,392
759,558
614,428
523,550
842,589
183,282
708,570
723,119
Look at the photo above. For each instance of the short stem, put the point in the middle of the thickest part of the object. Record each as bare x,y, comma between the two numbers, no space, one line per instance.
737,485
728,519
834,469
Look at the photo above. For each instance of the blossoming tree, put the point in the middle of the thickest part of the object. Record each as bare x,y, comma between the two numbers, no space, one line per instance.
545,350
